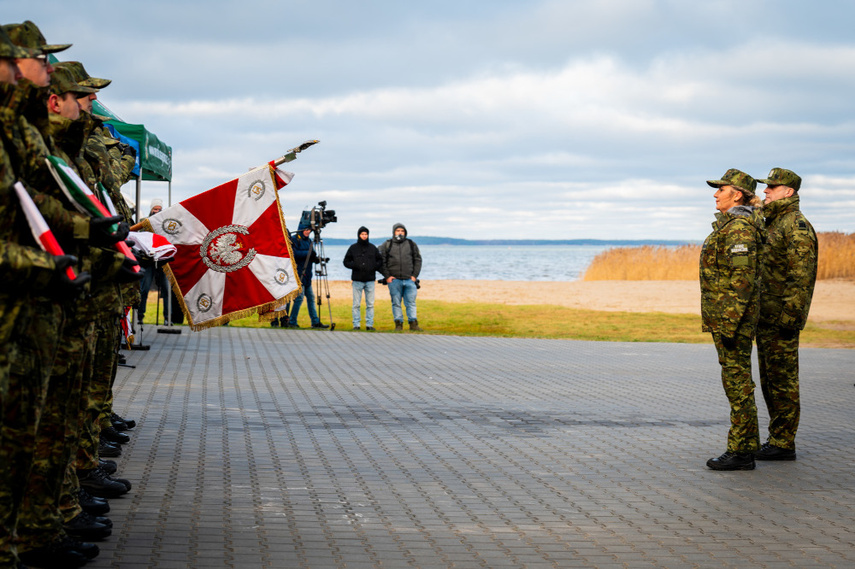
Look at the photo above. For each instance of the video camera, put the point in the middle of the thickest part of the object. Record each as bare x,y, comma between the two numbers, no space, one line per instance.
318,217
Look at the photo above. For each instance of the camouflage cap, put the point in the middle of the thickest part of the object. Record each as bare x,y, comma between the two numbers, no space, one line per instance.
29,36
83,78
62,81
782,177
10,50
737,178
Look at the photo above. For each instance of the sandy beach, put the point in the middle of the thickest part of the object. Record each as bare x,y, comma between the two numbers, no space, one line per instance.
833,299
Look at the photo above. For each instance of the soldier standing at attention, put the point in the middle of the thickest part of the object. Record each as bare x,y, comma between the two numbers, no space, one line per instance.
729,273
789,275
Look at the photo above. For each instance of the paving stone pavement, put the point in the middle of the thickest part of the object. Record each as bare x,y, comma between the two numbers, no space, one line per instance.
310,449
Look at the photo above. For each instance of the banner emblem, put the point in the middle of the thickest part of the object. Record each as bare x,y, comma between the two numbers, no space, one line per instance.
222,251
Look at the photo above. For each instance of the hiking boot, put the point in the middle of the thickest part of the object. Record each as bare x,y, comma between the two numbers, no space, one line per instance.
356,328
414,326
399,325
369,328
771,452
732,461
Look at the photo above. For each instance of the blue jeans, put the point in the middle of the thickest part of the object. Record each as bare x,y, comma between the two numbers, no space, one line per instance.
405,288
368,287
151,276
295,307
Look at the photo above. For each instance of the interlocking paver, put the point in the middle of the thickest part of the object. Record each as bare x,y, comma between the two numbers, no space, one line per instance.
275,448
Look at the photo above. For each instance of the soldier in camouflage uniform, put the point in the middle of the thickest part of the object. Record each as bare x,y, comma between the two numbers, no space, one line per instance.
86,469
37,331
42,538
729,275
789,275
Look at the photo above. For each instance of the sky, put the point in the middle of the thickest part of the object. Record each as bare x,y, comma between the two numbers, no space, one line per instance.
476,119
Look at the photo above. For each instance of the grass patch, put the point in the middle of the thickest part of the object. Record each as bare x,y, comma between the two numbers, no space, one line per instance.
546,321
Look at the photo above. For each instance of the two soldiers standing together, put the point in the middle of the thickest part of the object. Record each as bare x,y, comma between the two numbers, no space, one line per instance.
757,272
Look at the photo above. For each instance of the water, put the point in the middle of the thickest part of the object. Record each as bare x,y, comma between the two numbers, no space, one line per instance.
490,262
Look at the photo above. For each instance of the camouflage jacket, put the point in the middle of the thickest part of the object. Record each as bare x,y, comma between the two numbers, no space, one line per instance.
23,266
96,154
730,273
33,144
789,265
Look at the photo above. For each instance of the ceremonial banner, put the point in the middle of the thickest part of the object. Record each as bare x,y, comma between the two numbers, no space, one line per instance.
233,255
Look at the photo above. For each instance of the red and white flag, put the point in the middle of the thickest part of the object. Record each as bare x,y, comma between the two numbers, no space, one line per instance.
233,256
41,232
151,245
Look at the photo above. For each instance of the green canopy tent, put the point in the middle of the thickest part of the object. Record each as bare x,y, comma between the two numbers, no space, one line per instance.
155,156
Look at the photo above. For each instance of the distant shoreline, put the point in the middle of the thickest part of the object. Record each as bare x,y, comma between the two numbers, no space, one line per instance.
428,240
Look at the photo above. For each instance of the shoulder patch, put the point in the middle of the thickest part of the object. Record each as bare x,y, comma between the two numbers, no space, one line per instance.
802,224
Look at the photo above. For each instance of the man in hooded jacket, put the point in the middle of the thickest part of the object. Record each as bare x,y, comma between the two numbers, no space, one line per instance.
402,264
364,260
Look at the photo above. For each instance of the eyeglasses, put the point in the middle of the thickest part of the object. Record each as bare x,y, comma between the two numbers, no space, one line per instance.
43,58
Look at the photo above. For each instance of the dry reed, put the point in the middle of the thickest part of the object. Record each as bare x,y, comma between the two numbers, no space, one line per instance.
657,263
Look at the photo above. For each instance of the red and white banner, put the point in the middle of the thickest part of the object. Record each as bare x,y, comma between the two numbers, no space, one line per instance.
233,257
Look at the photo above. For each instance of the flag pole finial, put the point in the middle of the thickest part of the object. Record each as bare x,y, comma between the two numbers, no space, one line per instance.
292,154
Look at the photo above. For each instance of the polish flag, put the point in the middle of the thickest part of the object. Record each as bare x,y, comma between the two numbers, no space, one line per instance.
42,233
82,198
233,255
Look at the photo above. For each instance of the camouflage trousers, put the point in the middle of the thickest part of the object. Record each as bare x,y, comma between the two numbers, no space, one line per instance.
40,522
102,370
28,357
108,374
744,433
779,381
94,390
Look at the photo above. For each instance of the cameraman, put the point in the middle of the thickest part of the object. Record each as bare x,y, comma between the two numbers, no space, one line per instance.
304,257
402,264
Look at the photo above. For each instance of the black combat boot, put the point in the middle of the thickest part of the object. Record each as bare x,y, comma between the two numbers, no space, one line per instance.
732,461
129,423
108,449
110,434
88,527
771,452
97,483
108,466
91,504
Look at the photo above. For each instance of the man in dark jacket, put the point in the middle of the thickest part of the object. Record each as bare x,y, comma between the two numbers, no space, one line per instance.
364,260
304,257
402,264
